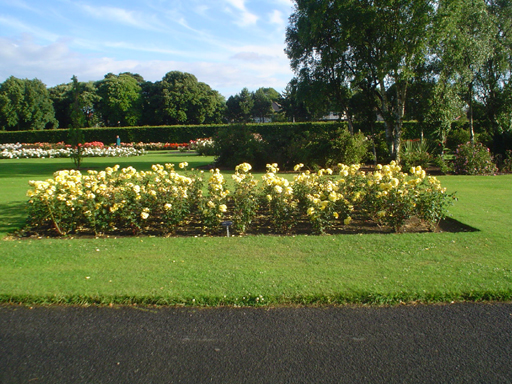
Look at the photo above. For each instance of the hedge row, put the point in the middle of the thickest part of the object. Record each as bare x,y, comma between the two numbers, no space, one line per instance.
182,134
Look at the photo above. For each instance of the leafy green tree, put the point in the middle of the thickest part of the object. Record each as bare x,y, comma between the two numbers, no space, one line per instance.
263,101
240,107
493,80
180,99
62,96
120,99
76,136
463,45
25,105
347,44
292,105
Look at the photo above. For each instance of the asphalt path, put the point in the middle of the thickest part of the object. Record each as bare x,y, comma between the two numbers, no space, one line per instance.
454,343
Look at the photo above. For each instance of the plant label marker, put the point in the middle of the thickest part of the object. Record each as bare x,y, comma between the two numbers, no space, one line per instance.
227,224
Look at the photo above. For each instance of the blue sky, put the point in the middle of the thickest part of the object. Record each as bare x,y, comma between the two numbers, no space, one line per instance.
228,44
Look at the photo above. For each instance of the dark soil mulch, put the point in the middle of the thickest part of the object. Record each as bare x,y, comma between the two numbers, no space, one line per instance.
260,226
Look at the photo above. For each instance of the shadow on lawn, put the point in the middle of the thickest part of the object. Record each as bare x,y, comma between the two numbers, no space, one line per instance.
13,216
452,225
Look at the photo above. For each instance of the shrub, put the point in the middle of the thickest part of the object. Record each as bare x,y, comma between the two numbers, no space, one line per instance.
161,200
236,144
507,161
348,148
473,159
415,153
456,137
245,198
278,200
204,147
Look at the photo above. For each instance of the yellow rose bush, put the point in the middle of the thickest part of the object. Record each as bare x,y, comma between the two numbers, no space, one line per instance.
318,194
278,200
212,207
164,200
245,198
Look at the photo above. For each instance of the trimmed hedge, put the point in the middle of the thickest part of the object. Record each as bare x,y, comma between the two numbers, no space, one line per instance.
168,134
185,133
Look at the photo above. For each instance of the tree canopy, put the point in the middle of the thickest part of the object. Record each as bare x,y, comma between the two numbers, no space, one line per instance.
25,105
442,56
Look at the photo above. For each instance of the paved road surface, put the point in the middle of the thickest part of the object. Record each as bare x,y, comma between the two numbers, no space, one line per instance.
458,343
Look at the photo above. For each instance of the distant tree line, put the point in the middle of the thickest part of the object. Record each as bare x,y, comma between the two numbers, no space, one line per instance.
128,100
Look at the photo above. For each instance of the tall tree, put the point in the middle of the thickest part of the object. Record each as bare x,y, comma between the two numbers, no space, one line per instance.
292,105
179,98
25,105
63,97
464,43
121,99
263,101
75,133
350,43
493,81
240,106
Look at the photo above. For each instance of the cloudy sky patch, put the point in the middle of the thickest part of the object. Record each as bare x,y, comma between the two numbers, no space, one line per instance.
228,44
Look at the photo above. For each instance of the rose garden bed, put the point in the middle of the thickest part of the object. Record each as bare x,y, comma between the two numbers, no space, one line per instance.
162,202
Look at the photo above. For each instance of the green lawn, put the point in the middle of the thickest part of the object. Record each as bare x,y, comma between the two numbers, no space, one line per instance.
257,270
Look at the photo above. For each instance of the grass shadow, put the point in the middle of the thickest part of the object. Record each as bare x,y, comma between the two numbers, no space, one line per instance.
13,216
451,225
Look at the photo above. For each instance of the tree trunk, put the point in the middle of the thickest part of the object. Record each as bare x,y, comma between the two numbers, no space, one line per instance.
470,113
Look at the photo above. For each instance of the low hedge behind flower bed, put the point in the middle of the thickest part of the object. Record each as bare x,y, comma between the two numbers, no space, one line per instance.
162,201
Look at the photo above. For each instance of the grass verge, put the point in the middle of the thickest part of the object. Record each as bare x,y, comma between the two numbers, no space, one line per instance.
259,270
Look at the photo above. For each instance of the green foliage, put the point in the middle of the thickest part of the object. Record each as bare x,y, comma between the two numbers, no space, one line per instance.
507,162
180,99
240,107
348,148
236,144
473,159
25,105
415,153
120,101
457,136
245,198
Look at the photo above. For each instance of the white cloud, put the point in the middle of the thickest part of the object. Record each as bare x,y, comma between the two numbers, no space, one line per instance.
22,27
243,18
123,16
56,64
276,17
239,4
285,2
250,56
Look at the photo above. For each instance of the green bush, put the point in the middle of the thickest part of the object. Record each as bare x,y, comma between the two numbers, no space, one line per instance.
473,159
347,148
236,144
507,162
457,136
415,153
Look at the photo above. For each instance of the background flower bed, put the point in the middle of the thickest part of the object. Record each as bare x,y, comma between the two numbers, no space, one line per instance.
46,150
161,201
